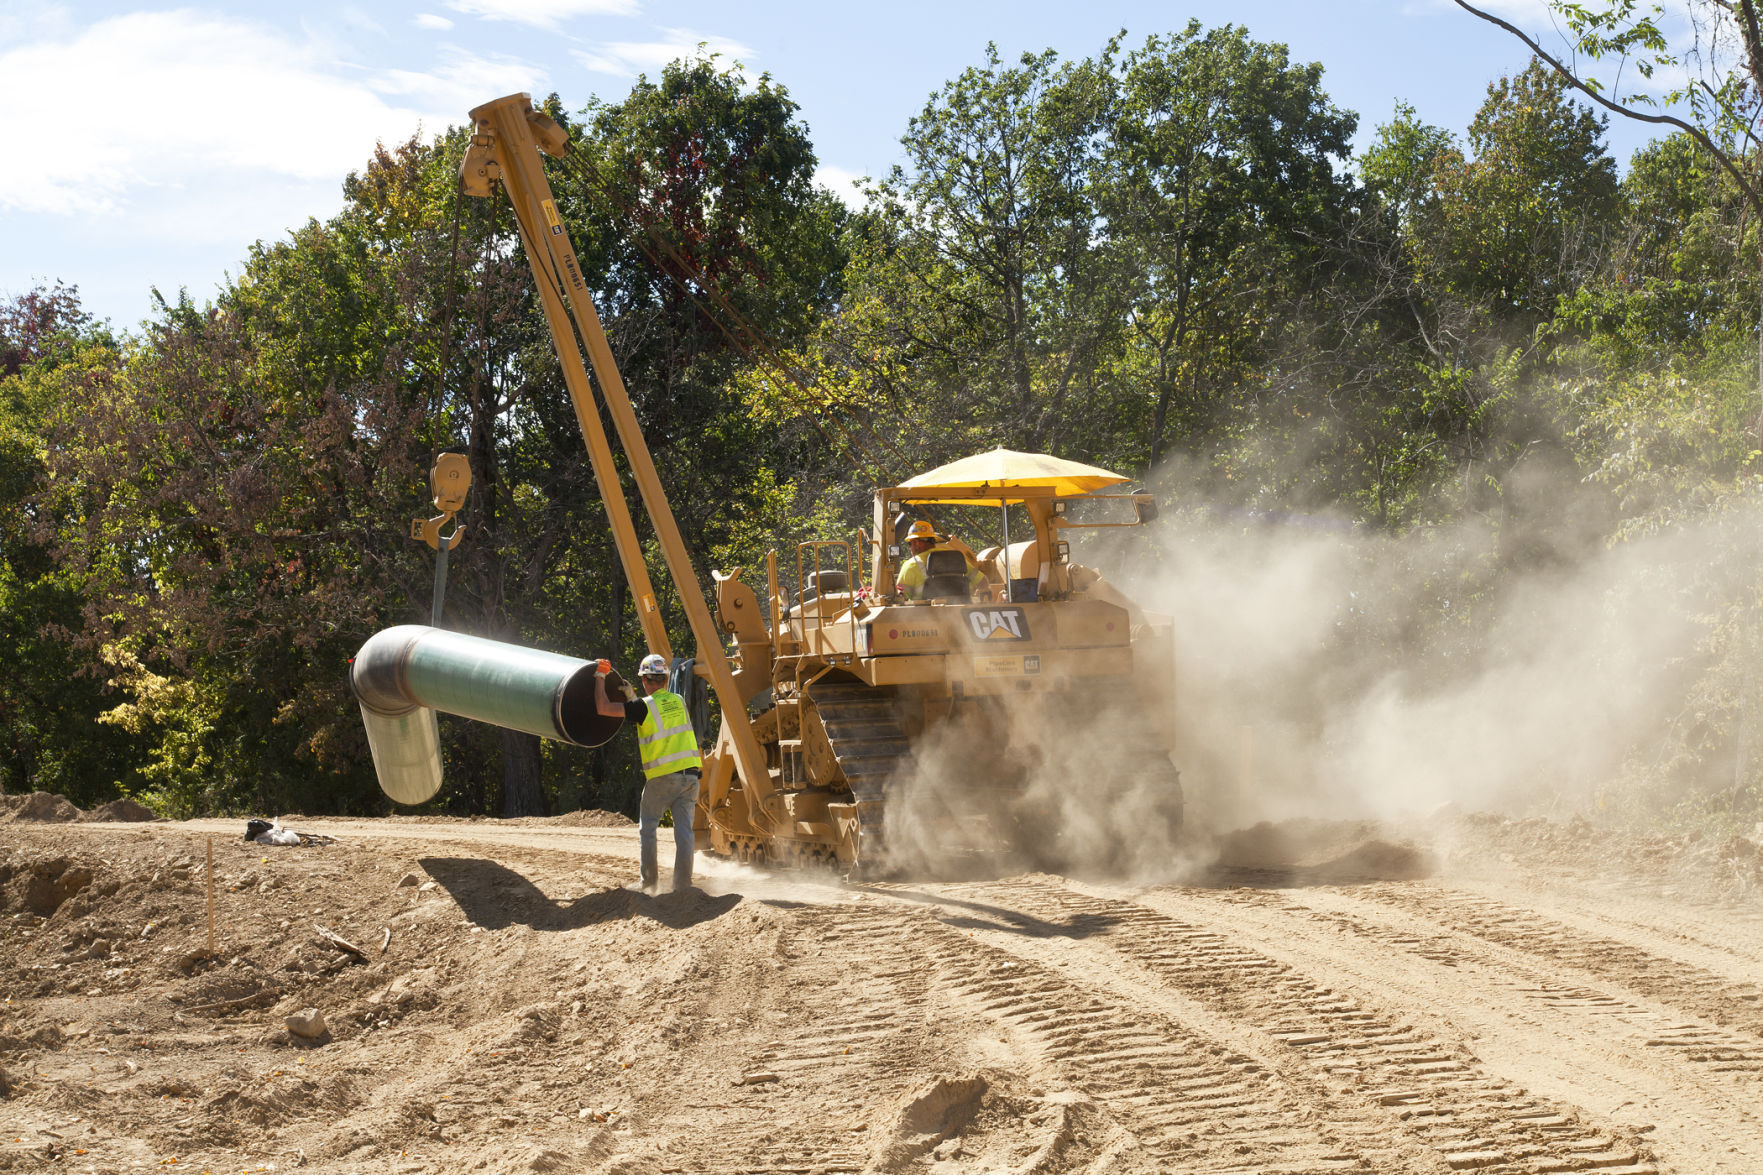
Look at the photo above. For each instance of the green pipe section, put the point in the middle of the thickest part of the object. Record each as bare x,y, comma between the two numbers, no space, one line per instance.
406,753
403,675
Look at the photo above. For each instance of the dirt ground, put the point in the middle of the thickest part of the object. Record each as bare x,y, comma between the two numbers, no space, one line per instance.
1476,994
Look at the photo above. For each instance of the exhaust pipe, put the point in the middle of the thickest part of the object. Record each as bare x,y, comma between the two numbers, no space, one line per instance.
403,675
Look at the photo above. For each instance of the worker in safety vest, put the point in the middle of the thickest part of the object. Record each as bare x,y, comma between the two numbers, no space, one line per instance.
923,539
671,764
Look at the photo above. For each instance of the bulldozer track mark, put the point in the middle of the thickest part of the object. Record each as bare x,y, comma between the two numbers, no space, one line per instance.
1184,1099
1698,1078
1724,932
1721,1050
1737,1007
1443,949
861,1029
1439,1095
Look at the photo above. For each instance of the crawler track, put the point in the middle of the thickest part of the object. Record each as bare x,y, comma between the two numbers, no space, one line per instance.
870,747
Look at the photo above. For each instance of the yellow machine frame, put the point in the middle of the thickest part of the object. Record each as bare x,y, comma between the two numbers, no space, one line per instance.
851,674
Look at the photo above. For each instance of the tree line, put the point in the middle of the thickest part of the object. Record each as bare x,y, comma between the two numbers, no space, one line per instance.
1165,258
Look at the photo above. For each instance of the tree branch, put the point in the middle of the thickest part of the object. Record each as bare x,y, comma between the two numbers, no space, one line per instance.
1700,136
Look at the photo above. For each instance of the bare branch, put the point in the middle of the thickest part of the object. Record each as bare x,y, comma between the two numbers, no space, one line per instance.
1752,195
1753,38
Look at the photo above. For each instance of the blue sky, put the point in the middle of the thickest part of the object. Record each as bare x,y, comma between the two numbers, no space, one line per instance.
160,141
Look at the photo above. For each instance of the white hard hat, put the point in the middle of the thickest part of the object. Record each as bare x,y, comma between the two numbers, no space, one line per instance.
654,665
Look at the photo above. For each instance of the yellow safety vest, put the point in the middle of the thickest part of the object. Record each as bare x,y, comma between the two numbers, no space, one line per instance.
914,572
664,737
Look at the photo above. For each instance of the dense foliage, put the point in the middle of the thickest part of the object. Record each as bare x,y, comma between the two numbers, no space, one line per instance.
1163,259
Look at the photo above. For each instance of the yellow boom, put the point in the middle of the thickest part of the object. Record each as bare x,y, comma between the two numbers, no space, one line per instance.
509,134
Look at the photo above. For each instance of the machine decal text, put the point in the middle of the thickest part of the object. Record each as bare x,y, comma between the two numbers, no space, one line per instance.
998,624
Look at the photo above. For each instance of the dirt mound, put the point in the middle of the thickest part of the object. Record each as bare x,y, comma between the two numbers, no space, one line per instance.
990,1122
498,1000
40,885
450,1006
592,818
585,818
1324,851
39,805
123,811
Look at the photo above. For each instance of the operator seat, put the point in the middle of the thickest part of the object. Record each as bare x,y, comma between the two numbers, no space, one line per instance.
946,577
819,583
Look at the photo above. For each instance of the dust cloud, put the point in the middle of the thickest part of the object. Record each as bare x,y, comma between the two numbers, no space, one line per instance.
1331,672
1067,783
1327,671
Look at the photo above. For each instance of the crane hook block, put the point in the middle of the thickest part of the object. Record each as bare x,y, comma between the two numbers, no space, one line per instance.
449,480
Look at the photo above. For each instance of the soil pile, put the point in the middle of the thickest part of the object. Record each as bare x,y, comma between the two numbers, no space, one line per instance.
1307,851
38,805
123,811
47,807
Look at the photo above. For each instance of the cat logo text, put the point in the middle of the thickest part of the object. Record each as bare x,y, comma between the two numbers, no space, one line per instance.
998,624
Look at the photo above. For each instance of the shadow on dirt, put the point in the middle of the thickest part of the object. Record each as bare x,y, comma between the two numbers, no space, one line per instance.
980,916
494,896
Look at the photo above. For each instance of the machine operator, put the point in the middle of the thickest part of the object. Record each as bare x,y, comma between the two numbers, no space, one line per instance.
922,539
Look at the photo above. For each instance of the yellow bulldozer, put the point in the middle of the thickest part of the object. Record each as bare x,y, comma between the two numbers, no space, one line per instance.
861,714
954,720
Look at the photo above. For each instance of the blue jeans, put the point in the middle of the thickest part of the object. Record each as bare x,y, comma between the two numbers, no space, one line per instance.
678,791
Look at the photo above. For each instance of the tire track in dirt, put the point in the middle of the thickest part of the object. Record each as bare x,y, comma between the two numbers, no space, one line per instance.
854,1033
1692,989
1189,1102
1721,1050
1191,1099
1722,936
1589,1046
1423,1088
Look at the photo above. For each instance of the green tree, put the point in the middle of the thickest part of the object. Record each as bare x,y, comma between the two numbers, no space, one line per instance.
708,243
984,264
51,695
1401,165
237,489
1715,76
1223,186
1091,256
1517,224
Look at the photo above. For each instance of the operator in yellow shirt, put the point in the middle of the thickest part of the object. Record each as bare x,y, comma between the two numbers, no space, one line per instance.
922,539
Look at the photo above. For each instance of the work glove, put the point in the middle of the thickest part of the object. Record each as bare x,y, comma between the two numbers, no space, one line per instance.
603,666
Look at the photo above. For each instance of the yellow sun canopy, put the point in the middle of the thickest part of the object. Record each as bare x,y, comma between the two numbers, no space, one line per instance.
1002,470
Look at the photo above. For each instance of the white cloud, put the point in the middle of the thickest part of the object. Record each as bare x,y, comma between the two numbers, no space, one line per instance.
461,81
629,58
170,100
30,20
431,20
354,17
544,14
842,183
